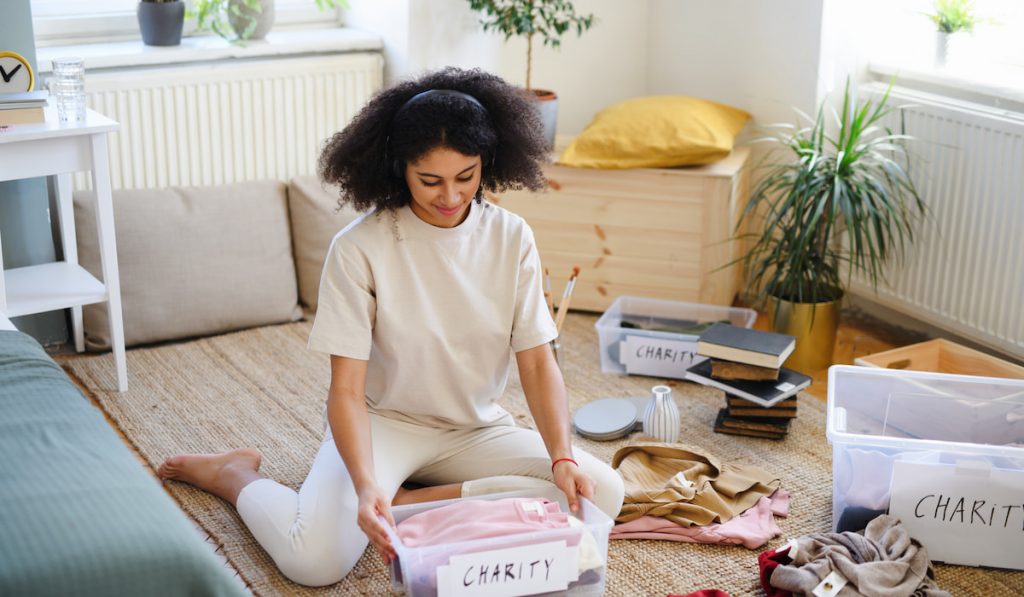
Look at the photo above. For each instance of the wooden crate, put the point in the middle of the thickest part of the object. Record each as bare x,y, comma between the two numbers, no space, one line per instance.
658,233
942,356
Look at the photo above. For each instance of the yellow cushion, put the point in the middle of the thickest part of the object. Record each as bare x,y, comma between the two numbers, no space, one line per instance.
657,132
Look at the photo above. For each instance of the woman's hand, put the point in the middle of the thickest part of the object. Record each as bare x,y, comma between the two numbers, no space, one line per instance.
374,503
573,482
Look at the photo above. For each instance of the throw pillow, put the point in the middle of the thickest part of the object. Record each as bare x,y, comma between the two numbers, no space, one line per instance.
657,132
193,261
315,220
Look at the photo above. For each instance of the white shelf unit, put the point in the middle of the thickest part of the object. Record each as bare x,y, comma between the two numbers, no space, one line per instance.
62,148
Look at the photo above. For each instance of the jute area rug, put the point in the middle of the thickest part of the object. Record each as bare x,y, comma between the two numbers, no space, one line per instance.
262,388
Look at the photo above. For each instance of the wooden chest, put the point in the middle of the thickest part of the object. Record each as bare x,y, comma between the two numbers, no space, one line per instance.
658,233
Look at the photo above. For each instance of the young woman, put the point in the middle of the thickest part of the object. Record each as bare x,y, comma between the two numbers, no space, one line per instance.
421,302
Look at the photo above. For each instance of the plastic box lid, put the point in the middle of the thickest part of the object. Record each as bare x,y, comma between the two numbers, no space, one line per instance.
922,410
654,309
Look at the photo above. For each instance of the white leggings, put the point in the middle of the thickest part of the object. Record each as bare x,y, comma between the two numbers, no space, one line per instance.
312,535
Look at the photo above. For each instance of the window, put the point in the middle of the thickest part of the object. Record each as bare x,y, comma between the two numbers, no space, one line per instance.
905,38
59,22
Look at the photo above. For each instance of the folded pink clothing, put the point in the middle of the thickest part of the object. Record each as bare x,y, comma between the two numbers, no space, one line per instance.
753,528
479,519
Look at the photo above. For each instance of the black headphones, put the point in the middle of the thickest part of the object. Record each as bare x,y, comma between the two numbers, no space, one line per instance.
396,166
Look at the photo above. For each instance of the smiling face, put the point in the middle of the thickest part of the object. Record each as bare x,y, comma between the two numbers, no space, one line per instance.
443,183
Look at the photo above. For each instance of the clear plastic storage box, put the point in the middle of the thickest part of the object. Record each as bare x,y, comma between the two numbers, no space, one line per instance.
416,570
657,337
947,437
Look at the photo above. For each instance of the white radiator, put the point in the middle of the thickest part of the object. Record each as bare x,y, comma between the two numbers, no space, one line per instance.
227,122
965,269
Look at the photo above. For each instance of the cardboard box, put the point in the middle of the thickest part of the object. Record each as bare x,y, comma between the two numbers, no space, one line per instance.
942,356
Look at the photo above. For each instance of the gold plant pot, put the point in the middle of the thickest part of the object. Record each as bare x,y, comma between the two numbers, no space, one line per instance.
813,324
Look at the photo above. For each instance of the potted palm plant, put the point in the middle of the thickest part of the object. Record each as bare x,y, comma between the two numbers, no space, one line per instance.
830,202
950,17
548,19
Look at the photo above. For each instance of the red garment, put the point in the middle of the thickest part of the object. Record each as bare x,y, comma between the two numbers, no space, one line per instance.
767,562
704,593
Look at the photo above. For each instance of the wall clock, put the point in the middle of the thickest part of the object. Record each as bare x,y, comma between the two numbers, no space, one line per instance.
16,74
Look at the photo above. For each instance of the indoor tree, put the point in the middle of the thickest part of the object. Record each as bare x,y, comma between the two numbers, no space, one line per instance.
548,19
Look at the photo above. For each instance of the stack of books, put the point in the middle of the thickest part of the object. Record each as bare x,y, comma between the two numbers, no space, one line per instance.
22,108
760,394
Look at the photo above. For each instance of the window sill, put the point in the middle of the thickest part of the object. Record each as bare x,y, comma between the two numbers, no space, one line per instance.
208,48
998,87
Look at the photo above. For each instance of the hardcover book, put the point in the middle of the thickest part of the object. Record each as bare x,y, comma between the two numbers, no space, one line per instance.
764,393
742,345
730,426
22,116
24,99
731,370
757,412
737,402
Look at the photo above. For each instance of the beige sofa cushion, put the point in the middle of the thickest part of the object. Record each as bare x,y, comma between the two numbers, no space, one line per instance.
193,261
315,220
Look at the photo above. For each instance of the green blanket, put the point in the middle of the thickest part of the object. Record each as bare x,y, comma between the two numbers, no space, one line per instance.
79,515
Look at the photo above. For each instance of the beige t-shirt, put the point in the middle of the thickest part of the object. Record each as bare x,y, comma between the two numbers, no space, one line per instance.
436,311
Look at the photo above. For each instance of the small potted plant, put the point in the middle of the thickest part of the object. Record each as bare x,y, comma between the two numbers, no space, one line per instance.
950,17
830,202
160,21
240,20
548,19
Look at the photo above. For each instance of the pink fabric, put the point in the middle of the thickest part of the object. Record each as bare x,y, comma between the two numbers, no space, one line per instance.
752,529
479,519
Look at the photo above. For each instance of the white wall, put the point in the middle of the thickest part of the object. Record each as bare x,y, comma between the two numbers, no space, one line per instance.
756,55
763,57
603,66
421,35
390,20
589,73
448,33
848,31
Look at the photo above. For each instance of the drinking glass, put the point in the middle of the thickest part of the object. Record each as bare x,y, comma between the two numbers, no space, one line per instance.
68,88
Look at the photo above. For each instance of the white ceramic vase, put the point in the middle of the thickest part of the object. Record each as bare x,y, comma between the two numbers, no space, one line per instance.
941,48
661,415
241,17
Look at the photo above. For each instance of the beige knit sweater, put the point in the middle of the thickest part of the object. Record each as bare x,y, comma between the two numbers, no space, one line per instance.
686,486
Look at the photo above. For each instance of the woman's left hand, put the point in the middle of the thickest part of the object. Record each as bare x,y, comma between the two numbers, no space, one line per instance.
573,482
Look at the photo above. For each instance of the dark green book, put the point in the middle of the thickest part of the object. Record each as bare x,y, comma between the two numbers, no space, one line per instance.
742,345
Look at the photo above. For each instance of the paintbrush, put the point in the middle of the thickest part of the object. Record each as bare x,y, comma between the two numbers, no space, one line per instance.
563,305
548,298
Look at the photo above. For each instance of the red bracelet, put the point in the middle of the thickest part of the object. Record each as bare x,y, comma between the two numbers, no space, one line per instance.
561,460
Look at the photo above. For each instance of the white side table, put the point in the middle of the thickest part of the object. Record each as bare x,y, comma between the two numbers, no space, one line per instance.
56,148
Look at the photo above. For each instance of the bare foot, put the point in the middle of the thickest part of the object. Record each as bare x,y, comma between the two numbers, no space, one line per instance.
223,475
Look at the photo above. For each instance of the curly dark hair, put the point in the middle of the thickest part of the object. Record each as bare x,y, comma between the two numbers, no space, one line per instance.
506,134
